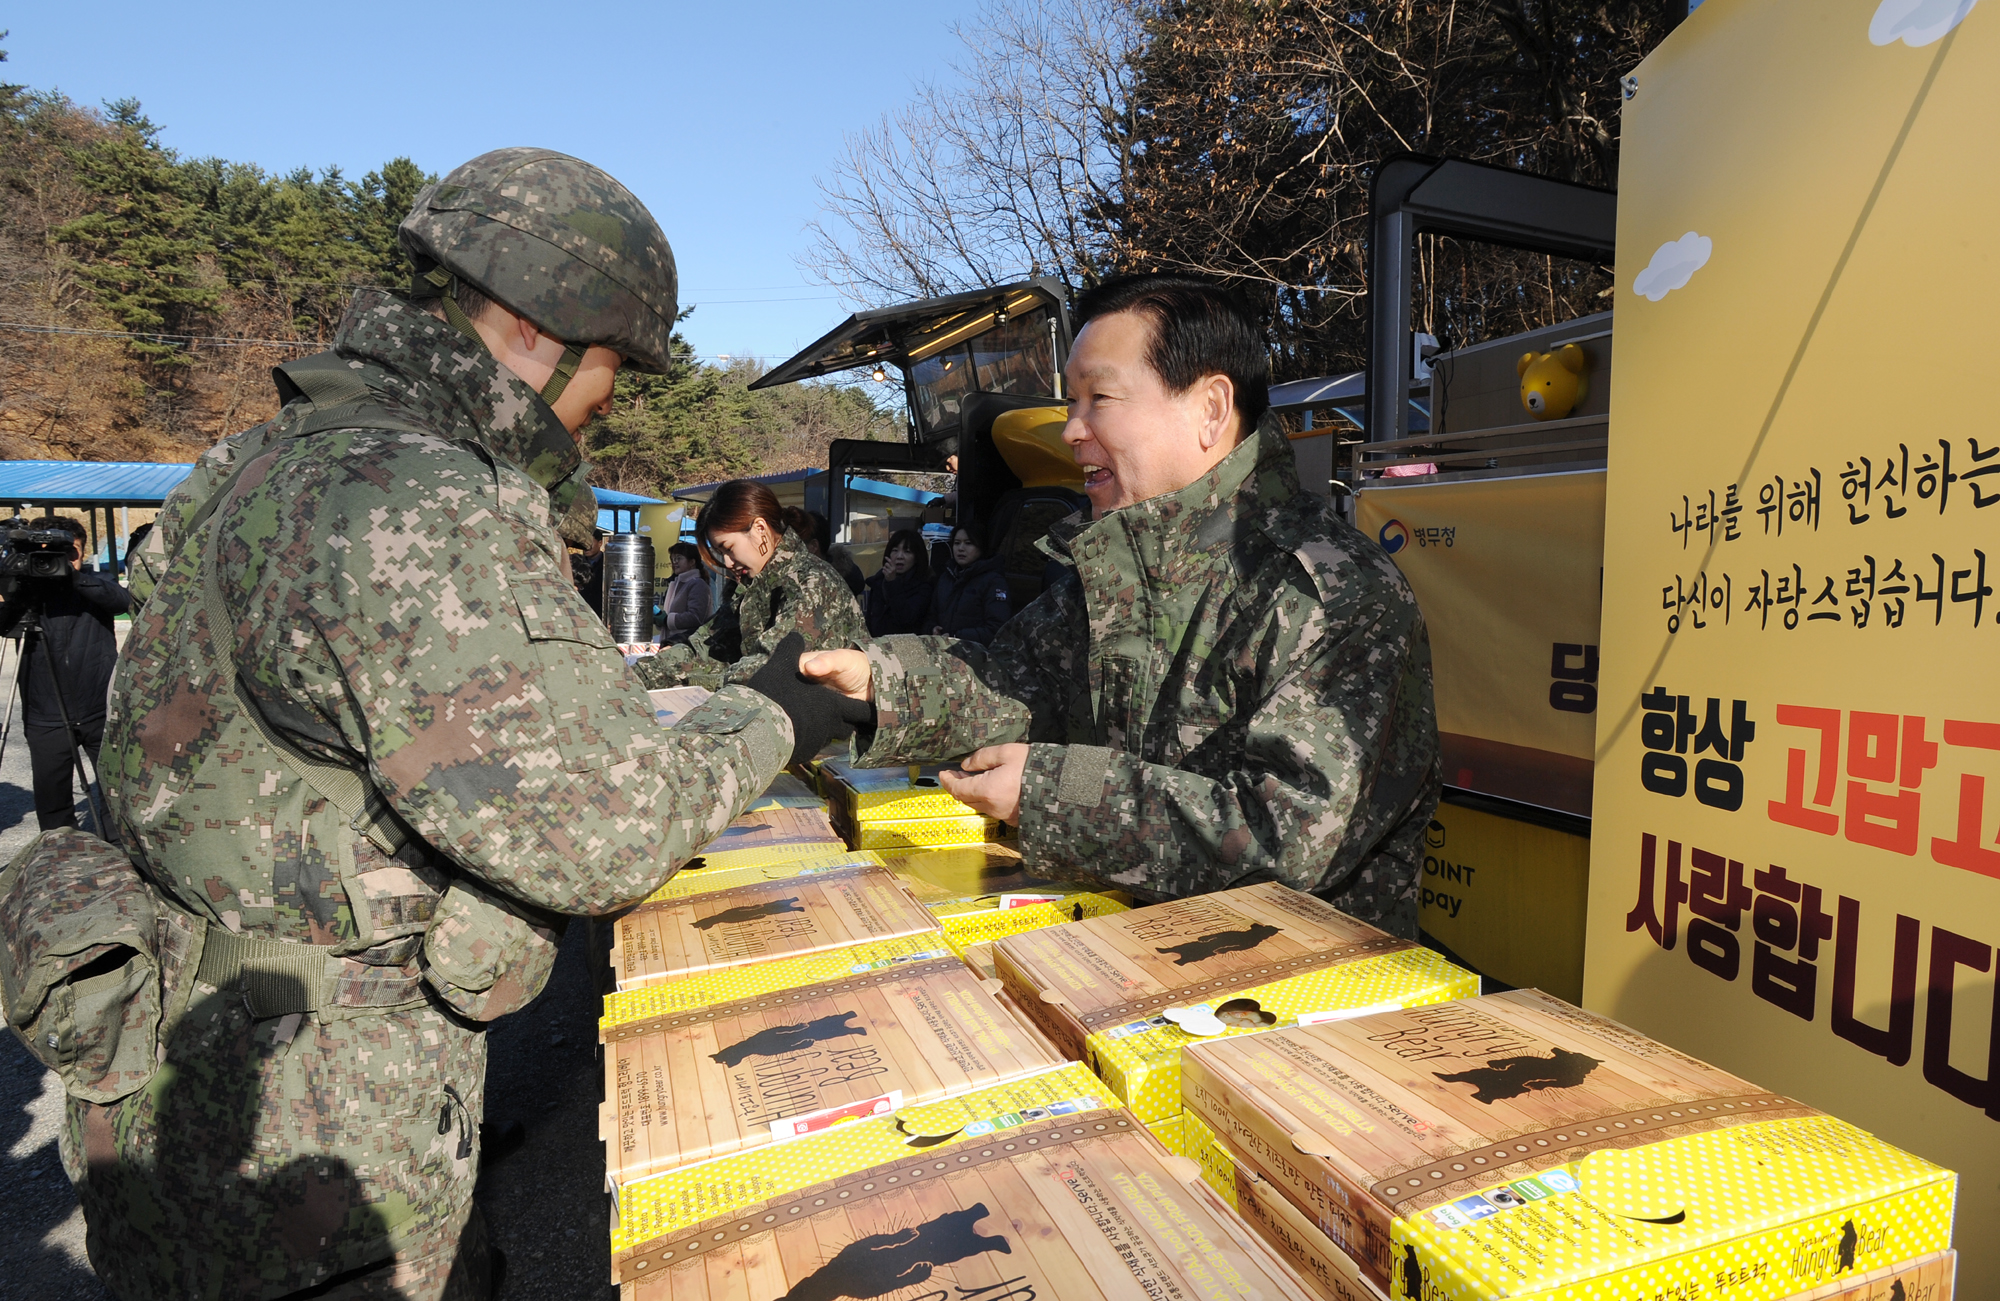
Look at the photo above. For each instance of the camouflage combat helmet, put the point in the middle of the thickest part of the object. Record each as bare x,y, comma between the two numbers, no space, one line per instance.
557,241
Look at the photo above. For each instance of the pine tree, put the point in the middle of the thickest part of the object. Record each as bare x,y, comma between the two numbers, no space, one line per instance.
142,241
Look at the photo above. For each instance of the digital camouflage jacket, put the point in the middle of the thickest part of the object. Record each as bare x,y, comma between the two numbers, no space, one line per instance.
797,592
1231,685
398,609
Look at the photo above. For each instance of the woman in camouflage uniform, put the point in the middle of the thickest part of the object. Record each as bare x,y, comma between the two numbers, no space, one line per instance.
778,587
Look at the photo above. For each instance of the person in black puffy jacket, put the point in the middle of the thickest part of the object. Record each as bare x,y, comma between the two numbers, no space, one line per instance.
971,597
899,594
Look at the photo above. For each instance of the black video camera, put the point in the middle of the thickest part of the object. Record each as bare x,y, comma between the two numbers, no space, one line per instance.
27,552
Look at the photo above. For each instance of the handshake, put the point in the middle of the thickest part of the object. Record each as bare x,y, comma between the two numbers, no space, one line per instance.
819,714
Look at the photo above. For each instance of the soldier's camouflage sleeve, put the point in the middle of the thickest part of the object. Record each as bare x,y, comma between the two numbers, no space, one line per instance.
426,625
942,698
1331,762
146,566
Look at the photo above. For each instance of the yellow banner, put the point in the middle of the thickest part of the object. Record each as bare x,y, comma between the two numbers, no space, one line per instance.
1506,571
1794,871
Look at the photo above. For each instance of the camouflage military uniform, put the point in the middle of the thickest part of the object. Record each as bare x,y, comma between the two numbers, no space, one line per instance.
398,608
797,592
1232,685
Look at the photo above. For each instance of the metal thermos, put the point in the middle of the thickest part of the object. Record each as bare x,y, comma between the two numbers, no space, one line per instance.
628,587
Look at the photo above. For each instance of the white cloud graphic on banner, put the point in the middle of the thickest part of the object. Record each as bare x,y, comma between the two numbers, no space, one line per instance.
1673,266
1916,23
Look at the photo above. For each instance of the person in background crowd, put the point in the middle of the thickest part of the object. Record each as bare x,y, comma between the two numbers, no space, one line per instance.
73,654
588,571
899,594
818,535
687,603
970,601
363,636
1229,685
781,587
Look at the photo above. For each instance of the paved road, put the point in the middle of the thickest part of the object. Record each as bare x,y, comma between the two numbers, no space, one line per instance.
544,1202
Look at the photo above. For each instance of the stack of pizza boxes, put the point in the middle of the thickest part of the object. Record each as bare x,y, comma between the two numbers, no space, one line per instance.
807,1092
901,809
1128,991
1515,1146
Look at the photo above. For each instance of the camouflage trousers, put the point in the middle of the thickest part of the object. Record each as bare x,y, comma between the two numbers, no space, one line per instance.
271,1157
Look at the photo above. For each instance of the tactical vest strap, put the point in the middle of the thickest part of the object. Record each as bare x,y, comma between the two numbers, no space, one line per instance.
277,977
337,784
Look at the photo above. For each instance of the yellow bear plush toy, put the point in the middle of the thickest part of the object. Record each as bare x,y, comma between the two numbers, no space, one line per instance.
1552,383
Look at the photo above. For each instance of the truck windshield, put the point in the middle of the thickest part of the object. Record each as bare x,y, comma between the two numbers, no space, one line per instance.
1017,357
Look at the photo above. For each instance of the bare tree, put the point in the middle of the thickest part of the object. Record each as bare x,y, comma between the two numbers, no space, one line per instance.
995,174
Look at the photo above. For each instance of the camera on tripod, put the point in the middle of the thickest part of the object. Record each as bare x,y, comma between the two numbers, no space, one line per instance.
27,552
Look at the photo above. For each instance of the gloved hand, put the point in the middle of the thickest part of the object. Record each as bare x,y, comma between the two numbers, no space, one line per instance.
819,714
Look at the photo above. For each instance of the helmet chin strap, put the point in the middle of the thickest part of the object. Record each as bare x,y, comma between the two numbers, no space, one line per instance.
443,285
565,371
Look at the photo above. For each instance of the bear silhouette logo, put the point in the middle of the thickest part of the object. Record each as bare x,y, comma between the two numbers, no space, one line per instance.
1896,1292
748,912
777,1040
1511,1077
882,1263
1849,1240
1413,1274
1209,946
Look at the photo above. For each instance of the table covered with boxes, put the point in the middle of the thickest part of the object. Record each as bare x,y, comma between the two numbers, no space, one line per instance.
859,1049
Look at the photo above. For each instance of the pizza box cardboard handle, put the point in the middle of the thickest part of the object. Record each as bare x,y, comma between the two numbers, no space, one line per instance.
1184,1169
1307,1143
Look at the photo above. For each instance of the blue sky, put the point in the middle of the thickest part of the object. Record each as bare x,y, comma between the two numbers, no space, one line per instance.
717,115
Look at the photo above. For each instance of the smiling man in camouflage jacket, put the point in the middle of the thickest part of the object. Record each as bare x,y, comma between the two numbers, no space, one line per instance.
368,745
1229,685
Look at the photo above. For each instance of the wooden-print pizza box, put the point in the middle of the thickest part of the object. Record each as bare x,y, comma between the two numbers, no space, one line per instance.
1330,1272
1081,1208
777,825
689,882
647,1007
1127,991
648,1213
736,1075
981,893
1931,1278
762,923
1515,1146
671,704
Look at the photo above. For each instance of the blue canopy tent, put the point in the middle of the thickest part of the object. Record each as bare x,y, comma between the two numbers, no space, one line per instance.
114,486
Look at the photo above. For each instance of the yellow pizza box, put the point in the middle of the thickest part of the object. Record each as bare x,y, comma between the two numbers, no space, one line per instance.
1931,1278
1515,1146
719,1079
676,938
982,893
1128,990
647,1007
648,1212
889,794
901,835
1077,1208
1168,1131
687,883
1200,1145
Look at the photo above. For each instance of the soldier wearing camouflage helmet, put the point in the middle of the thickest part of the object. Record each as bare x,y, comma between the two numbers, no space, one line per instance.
1228,684
368,746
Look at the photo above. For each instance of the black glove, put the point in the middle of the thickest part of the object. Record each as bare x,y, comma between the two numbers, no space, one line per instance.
819,714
